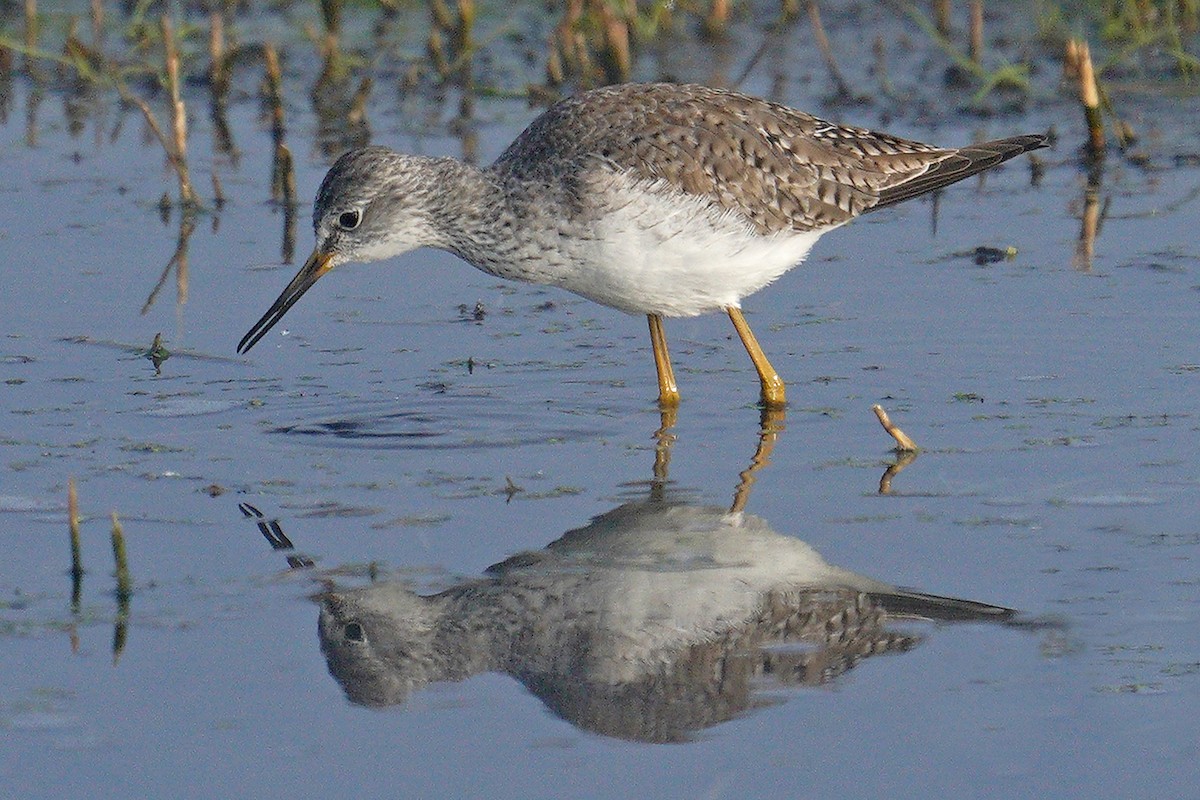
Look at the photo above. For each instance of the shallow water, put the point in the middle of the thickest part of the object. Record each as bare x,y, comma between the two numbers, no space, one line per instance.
392,436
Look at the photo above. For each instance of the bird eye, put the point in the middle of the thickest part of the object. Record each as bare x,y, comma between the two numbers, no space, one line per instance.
348,220
354,632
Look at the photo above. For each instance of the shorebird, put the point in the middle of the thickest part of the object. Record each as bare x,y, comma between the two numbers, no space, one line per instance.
667,200
657,620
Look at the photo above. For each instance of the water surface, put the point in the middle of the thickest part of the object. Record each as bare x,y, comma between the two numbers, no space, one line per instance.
392,436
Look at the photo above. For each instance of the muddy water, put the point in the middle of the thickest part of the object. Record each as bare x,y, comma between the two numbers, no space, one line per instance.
386,432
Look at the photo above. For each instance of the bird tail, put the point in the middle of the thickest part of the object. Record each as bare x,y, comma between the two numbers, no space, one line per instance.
962,163
906,604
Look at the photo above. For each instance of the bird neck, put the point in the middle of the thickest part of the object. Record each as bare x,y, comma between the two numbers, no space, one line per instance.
465,211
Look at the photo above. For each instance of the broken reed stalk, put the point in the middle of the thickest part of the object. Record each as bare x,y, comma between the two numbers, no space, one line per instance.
287,175
73,527
461,42
941,17
440,15
124,584
975,50
331,12
814,17
567,47
716,23
554,61
187,196
98,24
283,176
1079,64
218,69
442,22
436,50
274,91
617,51
357,114
904,444
31,34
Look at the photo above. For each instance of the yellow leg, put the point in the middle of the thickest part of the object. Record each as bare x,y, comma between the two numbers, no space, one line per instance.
772,384
668,392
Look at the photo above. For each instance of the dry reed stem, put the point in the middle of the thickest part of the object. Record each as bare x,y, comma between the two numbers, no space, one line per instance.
274,91
287,174
218,69
716,23
97,23
904,444
71,45
358,104
554,61
586,68
1071,61
331,12
462,42
187,196
124,584
440,14
941,17
31,34
73,528
835,74
437,53
1079,55
975,51
616,39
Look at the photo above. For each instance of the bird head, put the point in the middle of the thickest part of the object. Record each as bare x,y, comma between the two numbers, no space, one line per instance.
373,204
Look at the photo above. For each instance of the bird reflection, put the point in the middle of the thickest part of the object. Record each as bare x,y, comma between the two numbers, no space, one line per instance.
656,620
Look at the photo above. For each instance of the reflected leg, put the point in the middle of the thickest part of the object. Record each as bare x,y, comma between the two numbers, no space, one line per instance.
663,439
770,425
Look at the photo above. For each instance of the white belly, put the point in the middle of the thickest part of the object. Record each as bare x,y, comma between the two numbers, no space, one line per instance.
659,252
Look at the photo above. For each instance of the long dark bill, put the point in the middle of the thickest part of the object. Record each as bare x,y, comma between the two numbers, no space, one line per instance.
316,266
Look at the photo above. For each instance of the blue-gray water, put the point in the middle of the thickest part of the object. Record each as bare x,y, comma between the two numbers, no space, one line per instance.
1054,395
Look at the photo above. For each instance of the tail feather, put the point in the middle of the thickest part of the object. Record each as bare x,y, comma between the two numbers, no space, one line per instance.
962,163
918,605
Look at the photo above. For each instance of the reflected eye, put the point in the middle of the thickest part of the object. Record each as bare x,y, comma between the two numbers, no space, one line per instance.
348,220
354,632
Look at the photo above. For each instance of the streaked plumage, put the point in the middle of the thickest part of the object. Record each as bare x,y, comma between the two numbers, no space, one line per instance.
658,199
656,620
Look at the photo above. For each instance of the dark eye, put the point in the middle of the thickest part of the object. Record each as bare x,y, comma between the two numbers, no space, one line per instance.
354,632
348,220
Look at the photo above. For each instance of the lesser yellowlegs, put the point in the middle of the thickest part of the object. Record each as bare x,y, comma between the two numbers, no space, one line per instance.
658,199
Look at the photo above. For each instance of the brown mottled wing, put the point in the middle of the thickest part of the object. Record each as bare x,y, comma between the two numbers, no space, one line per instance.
778,168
